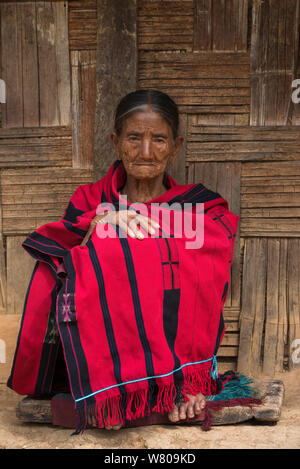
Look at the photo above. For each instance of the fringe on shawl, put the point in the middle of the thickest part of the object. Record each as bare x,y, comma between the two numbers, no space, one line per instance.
228,390
112,410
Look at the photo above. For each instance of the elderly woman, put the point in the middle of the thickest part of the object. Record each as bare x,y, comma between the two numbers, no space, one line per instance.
121,311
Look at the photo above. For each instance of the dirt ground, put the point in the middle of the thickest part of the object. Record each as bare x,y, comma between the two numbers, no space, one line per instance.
284,435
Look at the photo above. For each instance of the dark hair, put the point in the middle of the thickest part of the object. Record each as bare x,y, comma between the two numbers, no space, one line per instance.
135,101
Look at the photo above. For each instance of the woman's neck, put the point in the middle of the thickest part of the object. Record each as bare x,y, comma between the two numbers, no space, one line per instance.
142,190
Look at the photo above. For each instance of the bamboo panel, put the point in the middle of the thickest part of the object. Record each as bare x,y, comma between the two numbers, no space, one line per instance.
83,107
243,143
253,306
270,199
272,308
33,197
34,38
199,83
270,314
35,147
83,25
165,25
274,50
221,26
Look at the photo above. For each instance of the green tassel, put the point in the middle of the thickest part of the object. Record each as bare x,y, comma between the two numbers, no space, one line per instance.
235,389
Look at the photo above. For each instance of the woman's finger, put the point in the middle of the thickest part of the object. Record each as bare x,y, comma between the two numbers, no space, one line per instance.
132,225
126,229
146,224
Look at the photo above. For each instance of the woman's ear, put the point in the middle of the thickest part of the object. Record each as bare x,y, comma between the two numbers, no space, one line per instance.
178,144
115,142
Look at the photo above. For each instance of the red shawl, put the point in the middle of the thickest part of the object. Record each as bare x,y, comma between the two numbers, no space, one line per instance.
140,322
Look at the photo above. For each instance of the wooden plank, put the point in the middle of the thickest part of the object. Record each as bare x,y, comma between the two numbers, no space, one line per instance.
116,74
60,13
52,40
253,306
293,298
282,334
49,108
83,107
272,308
271,392
11,59
19,267
29,65
202,25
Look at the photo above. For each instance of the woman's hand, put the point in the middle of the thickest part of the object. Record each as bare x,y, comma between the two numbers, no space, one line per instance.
127,220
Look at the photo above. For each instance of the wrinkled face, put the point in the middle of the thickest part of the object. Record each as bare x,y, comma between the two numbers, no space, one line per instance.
146,144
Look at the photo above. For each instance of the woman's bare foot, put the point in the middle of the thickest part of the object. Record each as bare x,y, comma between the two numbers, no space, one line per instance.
189,409
92,423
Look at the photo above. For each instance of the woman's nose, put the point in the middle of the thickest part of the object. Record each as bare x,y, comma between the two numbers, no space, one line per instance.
146,152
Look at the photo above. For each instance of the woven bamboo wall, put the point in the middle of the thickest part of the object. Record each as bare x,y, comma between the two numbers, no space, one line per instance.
229,65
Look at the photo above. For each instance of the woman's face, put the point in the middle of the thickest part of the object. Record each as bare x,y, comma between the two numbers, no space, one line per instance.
146,144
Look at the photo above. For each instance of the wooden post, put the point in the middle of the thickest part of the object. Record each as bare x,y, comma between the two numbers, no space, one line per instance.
116,71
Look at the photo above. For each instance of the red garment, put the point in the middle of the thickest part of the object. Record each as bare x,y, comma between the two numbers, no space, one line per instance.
140,322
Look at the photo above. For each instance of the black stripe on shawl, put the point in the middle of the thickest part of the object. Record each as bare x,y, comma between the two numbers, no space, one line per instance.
137,310
170,320
107,322
74,229
49,353
220,331
35,236
40,256
72,213
10,379
103,197
221,322
74,354
198,194
171,303
51,250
